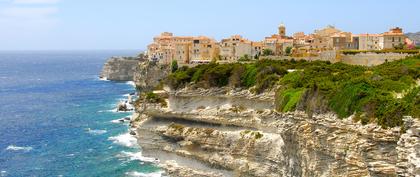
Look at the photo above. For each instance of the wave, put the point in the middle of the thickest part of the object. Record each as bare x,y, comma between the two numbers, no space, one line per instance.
103,79
96,132
132,156
121,120
126,140
19,148
139,174
131,83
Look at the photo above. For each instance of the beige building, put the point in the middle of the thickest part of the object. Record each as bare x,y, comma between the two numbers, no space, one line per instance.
203,49
322,38
235,47
257,48
370,41
183,49
278,43
393,38
344,40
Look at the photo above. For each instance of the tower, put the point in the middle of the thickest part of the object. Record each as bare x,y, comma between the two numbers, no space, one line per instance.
282,30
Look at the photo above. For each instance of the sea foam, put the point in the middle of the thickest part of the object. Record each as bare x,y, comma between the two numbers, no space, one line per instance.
103,79
3,173
126,140
131,83
132,156
19,148
96,132
139,174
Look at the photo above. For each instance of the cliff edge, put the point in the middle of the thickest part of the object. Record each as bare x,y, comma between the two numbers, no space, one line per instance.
119,69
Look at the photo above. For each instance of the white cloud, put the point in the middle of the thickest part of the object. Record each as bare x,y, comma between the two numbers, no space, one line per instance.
35,1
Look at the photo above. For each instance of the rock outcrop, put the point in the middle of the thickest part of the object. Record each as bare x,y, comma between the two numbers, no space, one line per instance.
149,74
233,133
119,69
408,149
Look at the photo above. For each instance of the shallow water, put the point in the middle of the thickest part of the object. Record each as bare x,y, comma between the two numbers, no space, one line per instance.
56,117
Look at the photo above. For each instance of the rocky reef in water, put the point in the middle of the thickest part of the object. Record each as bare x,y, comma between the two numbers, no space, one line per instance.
233,132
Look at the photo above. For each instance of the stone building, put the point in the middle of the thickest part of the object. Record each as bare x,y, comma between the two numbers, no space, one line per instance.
257,48
203,49
370,41
344,40
184,49
278,42
235,47
322,38
393,38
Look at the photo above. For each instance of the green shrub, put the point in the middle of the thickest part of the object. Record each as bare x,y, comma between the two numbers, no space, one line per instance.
174,65
287,99
267,52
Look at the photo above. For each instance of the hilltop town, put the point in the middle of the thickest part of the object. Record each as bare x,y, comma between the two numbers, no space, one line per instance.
270,108
323,44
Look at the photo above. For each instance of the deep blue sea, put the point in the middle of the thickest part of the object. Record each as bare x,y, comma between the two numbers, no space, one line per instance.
56,117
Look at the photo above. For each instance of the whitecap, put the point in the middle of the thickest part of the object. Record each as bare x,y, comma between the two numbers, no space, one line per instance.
139,174
121,120
96,132
103,79
131,83
18,148
132,156
116,121
126,140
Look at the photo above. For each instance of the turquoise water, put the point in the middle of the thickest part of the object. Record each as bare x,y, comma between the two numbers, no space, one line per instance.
56,117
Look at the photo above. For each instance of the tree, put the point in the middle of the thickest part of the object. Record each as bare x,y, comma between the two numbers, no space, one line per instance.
174,65
288,50
268,52
399,46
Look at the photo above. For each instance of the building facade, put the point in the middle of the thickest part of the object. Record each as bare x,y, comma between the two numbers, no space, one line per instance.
235,47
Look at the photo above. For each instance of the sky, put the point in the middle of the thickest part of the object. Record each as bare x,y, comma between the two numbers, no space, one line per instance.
132,24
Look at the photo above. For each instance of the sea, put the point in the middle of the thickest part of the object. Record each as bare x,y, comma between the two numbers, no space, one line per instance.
57,118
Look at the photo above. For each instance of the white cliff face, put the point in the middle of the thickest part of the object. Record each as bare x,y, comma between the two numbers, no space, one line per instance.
408,150
119,69
211,133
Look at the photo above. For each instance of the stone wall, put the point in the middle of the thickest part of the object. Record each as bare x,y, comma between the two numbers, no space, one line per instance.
119,69
364,59
371,59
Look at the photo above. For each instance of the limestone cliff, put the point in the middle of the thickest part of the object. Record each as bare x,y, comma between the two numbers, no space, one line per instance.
149,74
219,132
119,69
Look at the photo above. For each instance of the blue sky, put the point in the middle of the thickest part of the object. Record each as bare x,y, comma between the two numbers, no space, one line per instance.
131,24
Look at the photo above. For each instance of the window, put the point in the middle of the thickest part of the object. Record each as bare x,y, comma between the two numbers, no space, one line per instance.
393,39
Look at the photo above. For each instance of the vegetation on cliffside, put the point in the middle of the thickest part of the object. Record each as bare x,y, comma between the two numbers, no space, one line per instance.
381,94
